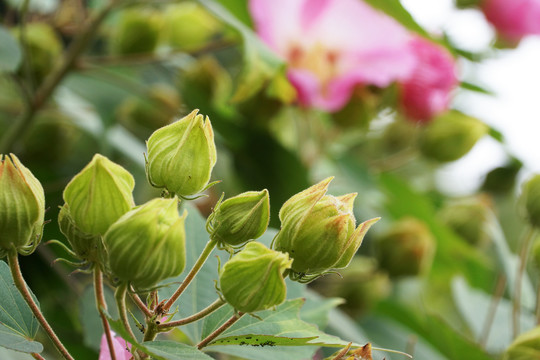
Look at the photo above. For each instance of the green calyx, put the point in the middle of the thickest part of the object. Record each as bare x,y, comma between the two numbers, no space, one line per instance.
240,219
319,231
253,279
99,195
85,246
147,244
22,207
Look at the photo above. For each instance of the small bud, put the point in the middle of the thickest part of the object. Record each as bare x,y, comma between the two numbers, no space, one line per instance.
147,244
450,136
181,155
188,26
22,207
240,219
361,285
253,279
530,197
137,32
319,231
99,195
407,249
525,347
467,219
42,47
86,246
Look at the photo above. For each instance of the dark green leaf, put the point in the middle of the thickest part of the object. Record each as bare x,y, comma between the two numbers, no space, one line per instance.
476,88
398,12
264,340
171,350
10,52
18,326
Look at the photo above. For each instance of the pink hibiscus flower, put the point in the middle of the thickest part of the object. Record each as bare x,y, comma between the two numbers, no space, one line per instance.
120,347
428,89
513,19
331,46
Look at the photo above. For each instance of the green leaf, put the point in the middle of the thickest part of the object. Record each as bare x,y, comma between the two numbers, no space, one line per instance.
18,326
475,88
171,350
260,63
10,52
264,340
394,9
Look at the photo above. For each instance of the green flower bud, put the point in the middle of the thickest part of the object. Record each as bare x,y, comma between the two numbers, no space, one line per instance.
22,207
525,347
253,279
407,249
137,32
319,231
43,48
188,26
86,246
240,219
450,136
361,285
502,180
467,219
530,197
181,155
99,195
147,244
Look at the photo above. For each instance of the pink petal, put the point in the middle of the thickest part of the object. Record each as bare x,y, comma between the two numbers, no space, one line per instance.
120,347
513,19
428,90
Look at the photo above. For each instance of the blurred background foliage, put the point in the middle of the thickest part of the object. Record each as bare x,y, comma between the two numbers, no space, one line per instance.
439,277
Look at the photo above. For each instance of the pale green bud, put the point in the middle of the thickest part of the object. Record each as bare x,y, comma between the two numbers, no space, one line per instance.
86,246
147,244
525,347
99,195
530,197
319,231
467,219
22,207
450,136
253,279
240,219
181,155
137,32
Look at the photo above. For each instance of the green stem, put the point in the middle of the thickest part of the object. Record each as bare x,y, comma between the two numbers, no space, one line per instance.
46,89
101,305
201,314
13,262
220,330
120,297
140,304
516,308
210,245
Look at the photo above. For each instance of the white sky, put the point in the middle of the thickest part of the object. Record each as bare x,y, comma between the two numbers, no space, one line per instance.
514,77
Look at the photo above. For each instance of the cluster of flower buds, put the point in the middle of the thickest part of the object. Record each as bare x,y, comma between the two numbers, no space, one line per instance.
319,231
22,207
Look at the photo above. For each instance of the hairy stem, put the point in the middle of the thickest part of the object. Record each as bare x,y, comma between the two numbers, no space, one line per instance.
48,86
516,308
194,270
13,262
101,305
140,304
120,297
220,330
201,314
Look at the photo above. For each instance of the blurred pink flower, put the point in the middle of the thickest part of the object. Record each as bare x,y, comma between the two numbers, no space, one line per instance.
426,92
120,347
333,45
513,19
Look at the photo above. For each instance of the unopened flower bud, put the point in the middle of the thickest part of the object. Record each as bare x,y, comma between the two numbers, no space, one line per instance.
467,219
99,194
240,219
525,347
147,244
137,32
188,26
22,207
450,136
84,245
407,249
530,197
319,231
253,279
181,155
